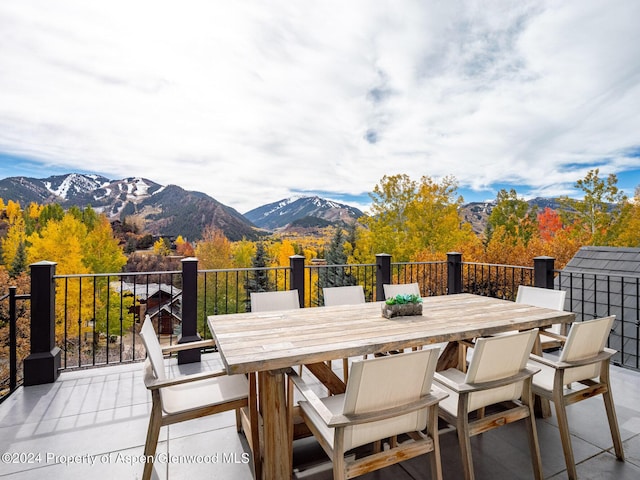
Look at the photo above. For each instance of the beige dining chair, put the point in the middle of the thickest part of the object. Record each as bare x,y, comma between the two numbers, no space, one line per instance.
393,289
546,298
345,295
551,338
385,397
187,397
497,379
272,301
584,361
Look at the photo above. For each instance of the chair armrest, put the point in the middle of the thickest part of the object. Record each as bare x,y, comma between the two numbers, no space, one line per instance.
188,346
606,354
428,400
310,396
459,388
152,384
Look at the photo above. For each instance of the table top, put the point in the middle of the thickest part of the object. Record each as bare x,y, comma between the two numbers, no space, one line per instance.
251,342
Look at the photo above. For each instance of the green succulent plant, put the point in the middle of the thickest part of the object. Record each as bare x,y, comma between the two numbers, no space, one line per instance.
403,299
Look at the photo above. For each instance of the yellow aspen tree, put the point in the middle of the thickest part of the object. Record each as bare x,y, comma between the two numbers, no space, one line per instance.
13,211
160,247
61,241
102,254
214,250
34,210
16,236
243,253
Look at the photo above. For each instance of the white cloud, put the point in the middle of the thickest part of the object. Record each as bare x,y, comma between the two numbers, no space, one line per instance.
250,101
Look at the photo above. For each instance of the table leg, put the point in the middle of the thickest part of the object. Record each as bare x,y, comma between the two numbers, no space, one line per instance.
277,444
450,357
541,406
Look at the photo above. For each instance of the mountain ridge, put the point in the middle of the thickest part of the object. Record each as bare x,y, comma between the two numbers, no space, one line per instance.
165,210
169,210
280,214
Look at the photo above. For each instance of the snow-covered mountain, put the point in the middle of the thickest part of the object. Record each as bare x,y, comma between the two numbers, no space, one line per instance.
166,210
284,212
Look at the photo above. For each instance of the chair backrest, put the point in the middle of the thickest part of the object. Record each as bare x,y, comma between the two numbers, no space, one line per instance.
381,383
541,297
586,339
348,295
391,290
154,350
495,358
271,301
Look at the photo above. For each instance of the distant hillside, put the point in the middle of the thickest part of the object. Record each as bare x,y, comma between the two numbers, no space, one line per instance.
477,213
165,210
280,214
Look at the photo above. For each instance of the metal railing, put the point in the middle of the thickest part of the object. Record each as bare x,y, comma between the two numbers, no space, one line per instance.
494,280
97,317
592,295
431,276
11,372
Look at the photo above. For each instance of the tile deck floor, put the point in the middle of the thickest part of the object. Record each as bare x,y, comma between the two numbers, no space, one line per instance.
92,424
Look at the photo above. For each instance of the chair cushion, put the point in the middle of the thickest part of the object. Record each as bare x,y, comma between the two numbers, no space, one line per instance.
203,393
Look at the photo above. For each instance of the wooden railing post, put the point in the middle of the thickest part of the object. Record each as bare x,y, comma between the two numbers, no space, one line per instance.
543,272
189,310
454,273
43,363
383,274
297,276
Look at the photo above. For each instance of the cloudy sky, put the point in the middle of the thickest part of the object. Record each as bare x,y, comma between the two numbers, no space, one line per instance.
253,101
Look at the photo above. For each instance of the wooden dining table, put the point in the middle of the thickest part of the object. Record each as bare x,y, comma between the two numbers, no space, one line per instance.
271,342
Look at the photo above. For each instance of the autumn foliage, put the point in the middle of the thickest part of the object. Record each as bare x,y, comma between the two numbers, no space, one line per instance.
414,220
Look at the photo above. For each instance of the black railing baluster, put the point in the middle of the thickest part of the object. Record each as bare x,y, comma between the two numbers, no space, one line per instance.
13,340
231,287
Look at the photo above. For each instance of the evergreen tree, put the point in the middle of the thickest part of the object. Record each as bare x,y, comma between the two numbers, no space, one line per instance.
19,263
258,278
335,274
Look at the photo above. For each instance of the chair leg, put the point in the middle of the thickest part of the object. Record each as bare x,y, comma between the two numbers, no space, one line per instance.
432,431
153,432
339,466
464,438
613,423
534,445
565,436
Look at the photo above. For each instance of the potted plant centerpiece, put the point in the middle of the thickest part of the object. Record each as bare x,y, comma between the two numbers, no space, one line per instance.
402,306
